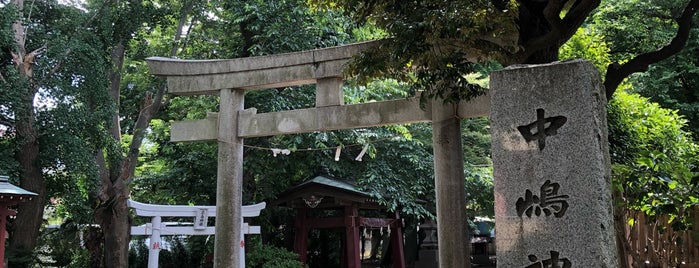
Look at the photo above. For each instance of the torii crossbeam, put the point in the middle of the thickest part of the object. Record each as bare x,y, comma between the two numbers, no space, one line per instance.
324,67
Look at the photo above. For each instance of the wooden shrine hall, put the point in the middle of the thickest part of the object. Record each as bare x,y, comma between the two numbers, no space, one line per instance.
326,193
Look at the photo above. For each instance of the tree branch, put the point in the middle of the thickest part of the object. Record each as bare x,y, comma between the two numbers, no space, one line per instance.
550,13
18,29
616,73
151,105
577,15
38,51
561,29
187,35
59,64
103,175
180,26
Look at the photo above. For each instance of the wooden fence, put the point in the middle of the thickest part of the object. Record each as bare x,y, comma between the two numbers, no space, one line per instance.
653,243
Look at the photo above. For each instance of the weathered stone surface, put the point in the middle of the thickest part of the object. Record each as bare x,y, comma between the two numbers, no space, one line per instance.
230,78
229,182
191,77
251,124
175,67
552,193
450,198
195,130
329,92
332,118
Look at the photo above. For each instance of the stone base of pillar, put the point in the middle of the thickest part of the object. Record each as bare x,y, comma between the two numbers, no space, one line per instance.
428,258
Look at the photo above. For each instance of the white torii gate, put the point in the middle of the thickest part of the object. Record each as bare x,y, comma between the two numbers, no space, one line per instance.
229,79
156,227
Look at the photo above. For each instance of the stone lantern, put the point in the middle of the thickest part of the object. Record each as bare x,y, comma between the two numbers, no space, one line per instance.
10,195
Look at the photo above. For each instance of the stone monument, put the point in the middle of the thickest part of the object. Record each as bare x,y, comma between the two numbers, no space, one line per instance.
428,254
553,202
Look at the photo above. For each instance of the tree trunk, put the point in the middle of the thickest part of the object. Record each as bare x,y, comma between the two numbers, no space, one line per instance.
117,227
541,56
113,213
25,230
93,243
532,24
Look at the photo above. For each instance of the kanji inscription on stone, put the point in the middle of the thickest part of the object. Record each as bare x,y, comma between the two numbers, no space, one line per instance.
551,168
548,201
541,128
553,262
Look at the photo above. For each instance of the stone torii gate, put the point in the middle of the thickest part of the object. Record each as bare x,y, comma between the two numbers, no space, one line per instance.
229,79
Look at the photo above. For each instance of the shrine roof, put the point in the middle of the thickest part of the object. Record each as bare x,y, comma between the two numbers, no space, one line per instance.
332,191
6,188
336,183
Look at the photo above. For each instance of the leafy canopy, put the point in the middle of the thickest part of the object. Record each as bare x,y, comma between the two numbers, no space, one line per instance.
656,162
432,44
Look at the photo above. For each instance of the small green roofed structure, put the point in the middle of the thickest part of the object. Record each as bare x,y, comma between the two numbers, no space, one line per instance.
327,193
10,195
9,191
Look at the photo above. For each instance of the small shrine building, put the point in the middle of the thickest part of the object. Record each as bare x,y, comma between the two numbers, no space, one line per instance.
327,193
10,195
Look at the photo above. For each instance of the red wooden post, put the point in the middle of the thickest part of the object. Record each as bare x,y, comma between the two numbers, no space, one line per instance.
4,212
397,242
352,237
301,234
3,218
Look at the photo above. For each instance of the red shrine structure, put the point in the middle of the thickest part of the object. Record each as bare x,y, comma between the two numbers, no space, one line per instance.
10,195
326,193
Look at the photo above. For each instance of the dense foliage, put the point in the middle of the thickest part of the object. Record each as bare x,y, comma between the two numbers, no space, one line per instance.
432,44
655,165
632,27
657,161
76,92
54,110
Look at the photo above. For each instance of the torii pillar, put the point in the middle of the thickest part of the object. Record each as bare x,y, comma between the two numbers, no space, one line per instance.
229,185
323,67
452,236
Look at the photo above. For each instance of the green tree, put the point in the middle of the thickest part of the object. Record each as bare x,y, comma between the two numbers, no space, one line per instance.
656,159
53,99
655,162
653,159
672,83
116,167
62,116
440,41
435,44
633,27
